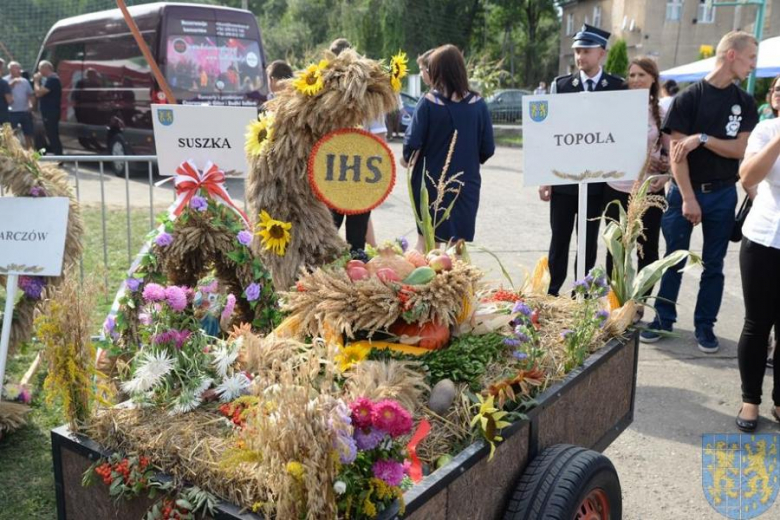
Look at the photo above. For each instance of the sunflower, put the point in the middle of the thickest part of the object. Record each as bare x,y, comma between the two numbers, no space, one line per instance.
259,134
350,356
275,233
398,70
310,81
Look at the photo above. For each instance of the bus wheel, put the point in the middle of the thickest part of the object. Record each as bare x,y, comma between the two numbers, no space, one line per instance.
567,483
118,146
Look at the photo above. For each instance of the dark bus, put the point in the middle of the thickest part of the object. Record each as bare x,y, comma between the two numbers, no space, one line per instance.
208,54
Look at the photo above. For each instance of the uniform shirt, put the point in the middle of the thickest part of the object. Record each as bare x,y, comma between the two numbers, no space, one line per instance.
50,103
595,79
720,112
762,224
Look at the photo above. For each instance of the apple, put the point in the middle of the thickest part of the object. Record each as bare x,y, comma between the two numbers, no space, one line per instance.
387,275
440,263
355,263
358,273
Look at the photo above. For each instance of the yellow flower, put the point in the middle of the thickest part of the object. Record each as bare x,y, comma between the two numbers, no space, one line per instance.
275,233
398,70
310,81
489,420
259,134
351,355
295,469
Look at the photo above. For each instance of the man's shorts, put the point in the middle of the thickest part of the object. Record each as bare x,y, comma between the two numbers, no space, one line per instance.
23,119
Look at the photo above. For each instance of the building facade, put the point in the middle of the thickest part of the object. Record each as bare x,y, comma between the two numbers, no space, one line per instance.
673,32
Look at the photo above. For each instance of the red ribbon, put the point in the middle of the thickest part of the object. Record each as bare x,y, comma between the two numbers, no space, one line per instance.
415,470
189,181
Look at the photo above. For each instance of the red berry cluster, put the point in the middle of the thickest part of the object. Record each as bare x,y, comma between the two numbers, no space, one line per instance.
503,295
234,413
129,471
104,472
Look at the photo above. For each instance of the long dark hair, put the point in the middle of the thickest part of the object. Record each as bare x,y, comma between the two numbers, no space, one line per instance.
447,69
649,66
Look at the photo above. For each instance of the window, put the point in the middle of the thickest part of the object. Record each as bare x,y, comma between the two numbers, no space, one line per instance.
597,16
569,24
706,12
674,10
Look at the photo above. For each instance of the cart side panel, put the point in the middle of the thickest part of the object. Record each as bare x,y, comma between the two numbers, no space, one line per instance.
484,490
591,409
434,508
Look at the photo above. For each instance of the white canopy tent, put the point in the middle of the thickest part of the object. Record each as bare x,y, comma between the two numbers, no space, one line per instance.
768,64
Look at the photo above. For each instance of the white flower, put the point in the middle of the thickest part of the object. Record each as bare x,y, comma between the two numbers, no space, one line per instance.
224,357
340,487
151,369
190,396
232,387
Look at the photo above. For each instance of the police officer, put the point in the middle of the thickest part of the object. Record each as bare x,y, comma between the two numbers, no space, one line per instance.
590,45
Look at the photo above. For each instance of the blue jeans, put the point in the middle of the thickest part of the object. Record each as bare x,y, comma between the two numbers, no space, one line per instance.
717,221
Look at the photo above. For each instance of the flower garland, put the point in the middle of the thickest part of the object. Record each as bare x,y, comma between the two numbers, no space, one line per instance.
23,175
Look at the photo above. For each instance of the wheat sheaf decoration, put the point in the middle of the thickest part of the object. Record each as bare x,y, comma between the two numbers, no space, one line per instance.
23,175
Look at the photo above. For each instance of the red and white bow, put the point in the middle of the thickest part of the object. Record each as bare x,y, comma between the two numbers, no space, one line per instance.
189,181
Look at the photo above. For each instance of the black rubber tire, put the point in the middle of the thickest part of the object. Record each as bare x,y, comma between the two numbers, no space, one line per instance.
116,144
557,481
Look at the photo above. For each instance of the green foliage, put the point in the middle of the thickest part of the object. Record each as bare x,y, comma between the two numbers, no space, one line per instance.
617,59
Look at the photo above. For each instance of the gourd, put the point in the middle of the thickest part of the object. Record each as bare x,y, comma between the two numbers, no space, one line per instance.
420,276
387,257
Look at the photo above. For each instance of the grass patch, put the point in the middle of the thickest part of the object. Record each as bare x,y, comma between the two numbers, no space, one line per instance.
26,475
515,141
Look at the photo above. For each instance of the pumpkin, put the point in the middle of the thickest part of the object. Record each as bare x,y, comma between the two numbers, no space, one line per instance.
431,335
388,258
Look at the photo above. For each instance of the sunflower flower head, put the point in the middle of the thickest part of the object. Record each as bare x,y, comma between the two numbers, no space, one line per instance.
398,70
310,81
259,135
350,356
275,234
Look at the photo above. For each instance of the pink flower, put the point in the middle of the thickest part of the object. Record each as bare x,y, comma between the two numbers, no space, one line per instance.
391,471
391,417
362,410
154,292
230,304
144,318
176,298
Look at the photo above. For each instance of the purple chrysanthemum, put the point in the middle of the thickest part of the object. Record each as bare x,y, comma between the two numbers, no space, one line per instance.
368,439
154,292
347,449
253,292
403,243
164,239
519,355
132,284
512,342
390,471
109,325
32,286
173,337
244,237
37,191
176,298
199,203
521,308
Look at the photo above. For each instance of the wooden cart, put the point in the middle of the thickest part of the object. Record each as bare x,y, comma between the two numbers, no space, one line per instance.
547,467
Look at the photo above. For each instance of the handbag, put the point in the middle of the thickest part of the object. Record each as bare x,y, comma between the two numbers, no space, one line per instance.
739,219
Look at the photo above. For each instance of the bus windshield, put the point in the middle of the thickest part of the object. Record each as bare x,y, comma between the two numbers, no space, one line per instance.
213,64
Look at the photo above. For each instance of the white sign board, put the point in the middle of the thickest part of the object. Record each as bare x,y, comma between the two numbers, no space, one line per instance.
32,235
202,133
584,137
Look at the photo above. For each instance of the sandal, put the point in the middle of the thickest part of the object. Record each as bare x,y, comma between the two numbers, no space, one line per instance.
746,425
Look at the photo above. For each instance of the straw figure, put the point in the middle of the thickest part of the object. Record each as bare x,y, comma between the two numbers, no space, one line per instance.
23,176
344,92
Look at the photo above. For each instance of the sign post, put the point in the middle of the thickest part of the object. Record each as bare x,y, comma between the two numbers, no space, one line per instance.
584,138
32,243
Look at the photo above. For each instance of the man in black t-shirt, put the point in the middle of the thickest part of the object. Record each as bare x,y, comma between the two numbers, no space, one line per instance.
710,123
6,98
48,90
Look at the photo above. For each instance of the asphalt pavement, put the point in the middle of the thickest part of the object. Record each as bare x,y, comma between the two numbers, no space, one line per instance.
682,393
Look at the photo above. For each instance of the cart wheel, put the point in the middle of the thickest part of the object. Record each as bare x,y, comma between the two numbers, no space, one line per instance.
567,483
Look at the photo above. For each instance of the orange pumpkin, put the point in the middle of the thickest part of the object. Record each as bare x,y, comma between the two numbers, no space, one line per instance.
431,335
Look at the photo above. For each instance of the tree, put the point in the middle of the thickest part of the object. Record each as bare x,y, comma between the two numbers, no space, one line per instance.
617,59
